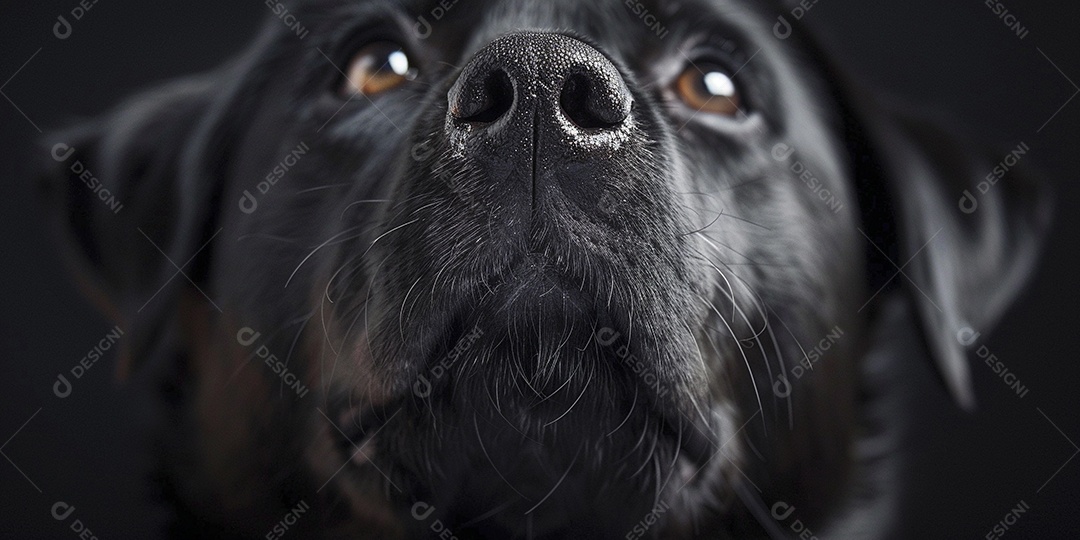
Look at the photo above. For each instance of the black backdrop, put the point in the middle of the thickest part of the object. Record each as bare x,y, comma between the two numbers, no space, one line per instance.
959,57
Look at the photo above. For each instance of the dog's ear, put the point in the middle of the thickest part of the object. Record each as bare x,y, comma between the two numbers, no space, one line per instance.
969,223
958,226
118,190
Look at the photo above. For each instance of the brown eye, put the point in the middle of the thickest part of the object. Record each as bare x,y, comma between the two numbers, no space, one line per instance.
376,68
708,88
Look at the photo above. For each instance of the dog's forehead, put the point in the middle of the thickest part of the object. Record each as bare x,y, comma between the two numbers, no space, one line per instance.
620,25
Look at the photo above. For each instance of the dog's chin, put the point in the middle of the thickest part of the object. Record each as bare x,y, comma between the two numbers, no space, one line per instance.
536,328
527,416
536,438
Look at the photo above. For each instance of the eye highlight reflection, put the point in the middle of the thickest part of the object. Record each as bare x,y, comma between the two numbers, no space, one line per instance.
708,88
377,68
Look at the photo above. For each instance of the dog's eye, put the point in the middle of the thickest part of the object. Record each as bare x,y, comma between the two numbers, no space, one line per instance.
708,88
378,67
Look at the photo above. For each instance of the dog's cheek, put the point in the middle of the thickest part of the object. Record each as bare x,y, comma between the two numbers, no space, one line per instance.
357,377
369,514
231,404
250,443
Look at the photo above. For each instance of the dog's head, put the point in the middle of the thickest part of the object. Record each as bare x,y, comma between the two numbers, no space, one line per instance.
531,265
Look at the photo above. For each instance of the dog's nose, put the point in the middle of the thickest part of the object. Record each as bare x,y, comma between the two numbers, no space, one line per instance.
530,77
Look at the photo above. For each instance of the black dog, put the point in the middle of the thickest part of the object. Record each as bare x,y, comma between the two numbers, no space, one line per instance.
536,269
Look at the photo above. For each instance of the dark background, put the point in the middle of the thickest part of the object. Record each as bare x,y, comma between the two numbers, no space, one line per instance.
87,449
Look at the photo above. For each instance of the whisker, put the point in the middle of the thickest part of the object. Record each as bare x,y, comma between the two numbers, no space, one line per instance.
320,188
746,359
710,224
324,244
364,201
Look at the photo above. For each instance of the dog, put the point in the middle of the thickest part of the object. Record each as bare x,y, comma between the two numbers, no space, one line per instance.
536,270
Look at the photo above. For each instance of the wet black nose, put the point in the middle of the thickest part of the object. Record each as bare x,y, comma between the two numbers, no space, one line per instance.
545,126
545,78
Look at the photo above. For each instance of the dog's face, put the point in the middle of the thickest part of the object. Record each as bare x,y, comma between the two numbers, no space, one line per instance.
554,253
533,267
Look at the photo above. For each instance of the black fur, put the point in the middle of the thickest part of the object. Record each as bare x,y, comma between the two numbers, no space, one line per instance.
532,328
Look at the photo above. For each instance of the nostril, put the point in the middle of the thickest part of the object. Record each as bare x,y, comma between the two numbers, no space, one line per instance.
495,97
592,108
